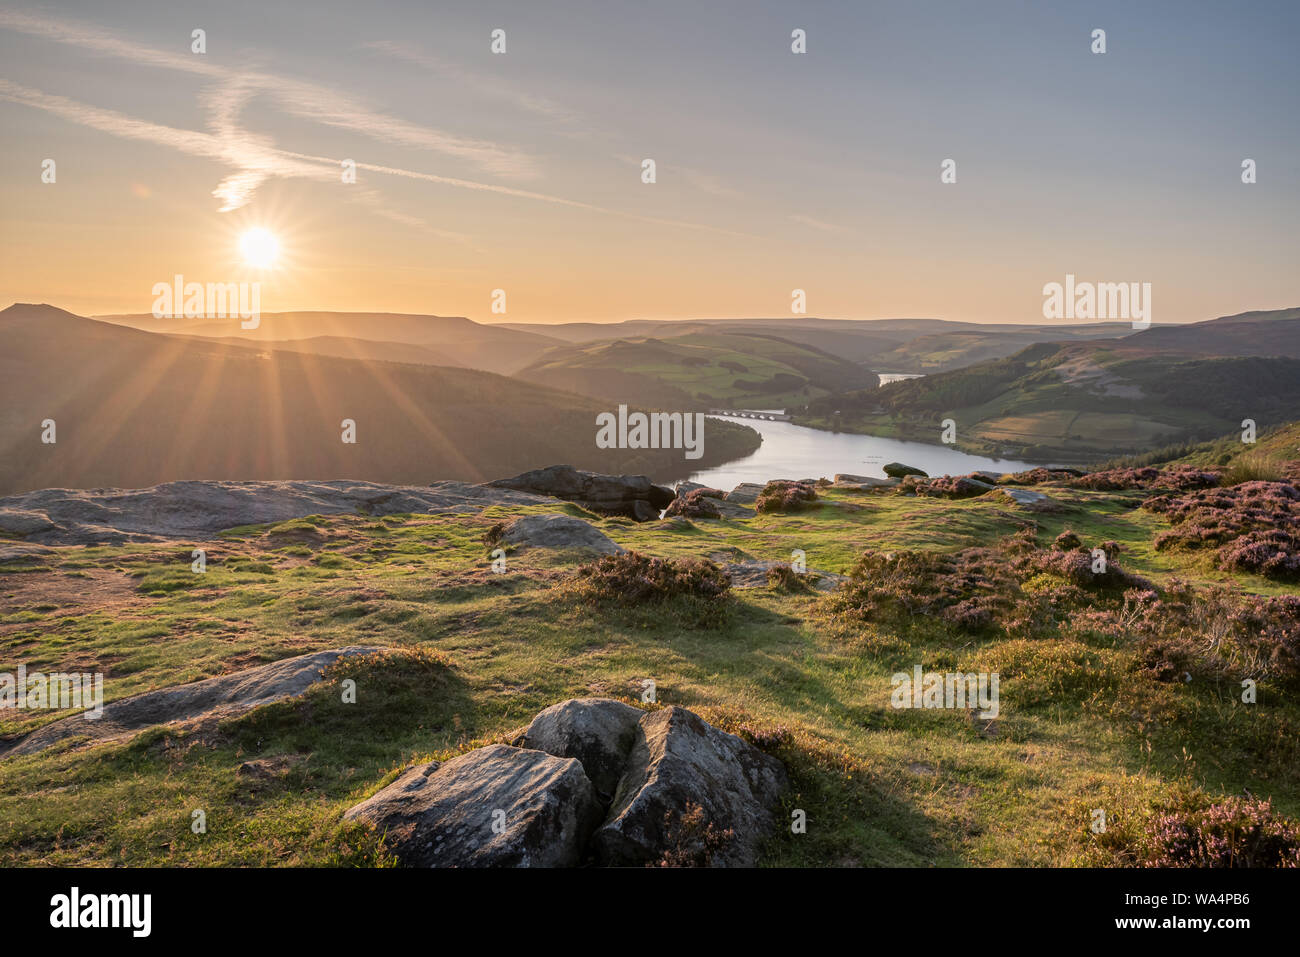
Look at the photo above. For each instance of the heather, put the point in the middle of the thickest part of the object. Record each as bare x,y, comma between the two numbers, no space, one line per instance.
696,504
783,496
1251,527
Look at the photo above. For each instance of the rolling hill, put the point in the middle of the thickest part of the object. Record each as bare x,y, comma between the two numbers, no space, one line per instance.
883,345
699,370
1085,401
441,340
133,408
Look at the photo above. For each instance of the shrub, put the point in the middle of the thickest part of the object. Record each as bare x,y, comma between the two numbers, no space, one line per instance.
1252,468
1254,526
1236,832
690,839
952,486
634,579
786,578
785,497
696,504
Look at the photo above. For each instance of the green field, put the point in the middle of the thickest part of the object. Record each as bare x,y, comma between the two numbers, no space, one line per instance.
478,654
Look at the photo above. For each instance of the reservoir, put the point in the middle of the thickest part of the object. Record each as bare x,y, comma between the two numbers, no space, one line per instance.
795,451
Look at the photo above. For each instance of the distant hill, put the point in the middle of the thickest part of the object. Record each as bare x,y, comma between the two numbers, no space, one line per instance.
445,340
882,345
1086,401
699,370
133,409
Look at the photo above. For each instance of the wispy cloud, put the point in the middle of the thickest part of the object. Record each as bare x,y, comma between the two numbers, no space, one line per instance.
817,223
481,83
255,158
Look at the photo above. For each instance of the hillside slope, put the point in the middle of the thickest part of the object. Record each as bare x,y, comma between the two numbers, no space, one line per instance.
699,370
449,340
1087,401
134,409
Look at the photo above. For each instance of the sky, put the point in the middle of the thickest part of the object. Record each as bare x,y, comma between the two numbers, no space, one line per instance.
775,171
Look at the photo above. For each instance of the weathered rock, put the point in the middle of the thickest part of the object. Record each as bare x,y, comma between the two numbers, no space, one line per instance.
898,470
684,488
746,493
225,696
1031,500
863,482
597,732
443,815
987,476
198,510
606,494
679,760
558,531
644,511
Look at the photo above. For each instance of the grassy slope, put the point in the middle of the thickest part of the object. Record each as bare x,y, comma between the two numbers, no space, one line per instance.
698,370
1076,402
880,787
134,409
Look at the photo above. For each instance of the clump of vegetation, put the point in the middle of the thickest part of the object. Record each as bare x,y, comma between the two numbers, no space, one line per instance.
1146,477
1254,526
1253,468
1037,476
697,503
952,486
1186,828
691,840
1015,585
631,579
971,588
1211,633
784,496
1236,832
494,534
785,578
1067,541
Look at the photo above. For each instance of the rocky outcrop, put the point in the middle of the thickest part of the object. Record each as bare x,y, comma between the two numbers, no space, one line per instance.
225,696
199,510
592,780
679,760
899,470
746,493
558,531
862,482
597,732
1031,500
634,496
493,807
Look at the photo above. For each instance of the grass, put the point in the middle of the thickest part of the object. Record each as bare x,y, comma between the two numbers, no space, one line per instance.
476,654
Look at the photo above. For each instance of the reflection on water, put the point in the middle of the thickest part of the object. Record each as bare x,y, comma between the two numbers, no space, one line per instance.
796,451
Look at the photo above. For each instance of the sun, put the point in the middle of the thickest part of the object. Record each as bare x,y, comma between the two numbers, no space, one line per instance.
259,248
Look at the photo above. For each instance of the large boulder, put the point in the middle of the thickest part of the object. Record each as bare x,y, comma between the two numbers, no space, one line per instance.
899,470
492,807
746,493
634,496
590,780
558,531
597,732
679,760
